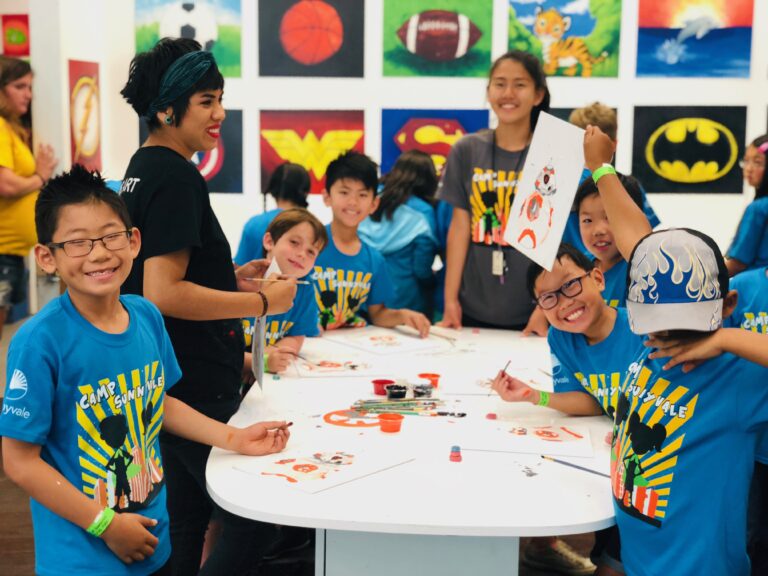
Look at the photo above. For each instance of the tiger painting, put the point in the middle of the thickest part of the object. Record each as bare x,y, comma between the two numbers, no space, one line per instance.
568,53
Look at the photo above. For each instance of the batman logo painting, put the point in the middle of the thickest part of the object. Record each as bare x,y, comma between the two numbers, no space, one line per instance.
689,149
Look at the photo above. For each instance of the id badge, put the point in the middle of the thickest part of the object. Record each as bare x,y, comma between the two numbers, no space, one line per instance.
497,263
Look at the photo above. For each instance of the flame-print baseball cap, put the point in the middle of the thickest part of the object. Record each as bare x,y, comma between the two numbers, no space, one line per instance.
676,280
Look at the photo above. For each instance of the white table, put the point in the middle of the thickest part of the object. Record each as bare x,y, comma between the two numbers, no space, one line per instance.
429,515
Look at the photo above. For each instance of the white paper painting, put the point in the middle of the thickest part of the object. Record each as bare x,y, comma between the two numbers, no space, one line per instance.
381,341
532,438
546,190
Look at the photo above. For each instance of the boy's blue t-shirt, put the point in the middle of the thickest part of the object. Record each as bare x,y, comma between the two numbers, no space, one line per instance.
346,285
681,465
251,244
596,369
751,312
94,402
615,293
300,320
750,244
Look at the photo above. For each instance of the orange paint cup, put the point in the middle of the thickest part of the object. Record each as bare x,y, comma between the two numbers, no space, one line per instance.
380,386
390,422
434,379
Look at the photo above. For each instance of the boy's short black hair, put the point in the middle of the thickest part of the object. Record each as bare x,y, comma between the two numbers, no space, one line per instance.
146,72
78,186
565,250
588,188
355,166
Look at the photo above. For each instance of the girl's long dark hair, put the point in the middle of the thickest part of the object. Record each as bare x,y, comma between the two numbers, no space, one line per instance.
290,182
412,175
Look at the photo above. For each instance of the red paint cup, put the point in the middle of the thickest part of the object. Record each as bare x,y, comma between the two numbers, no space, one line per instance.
434,379
379,386
390,422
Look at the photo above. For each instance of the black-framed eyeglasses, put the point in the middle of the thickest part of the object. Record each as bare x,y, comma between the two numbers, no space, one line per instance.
572,288
84,246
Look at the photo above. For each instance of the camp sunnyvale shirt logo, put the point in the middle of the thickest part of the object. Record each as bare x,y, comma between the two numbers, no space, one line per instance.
490,204
119,420
649,431
340,294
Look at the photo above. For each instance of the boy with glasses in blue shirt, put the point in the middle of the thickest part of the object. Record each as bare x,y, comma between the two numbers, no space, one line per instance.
86,396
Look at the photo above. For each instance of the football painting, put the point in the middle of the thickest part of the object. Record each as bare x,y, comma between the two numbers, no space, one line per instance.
705,38
215,24
431,131
310,138
570,37
689,148
437,37
321,38
221,167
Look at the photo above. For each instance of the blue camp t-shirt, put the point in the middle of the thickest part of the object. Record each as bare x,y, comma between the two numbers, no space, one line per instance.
751,312
572,234
300,320
94,402
615,292
681,463
251,244
346,285
597,369
750,245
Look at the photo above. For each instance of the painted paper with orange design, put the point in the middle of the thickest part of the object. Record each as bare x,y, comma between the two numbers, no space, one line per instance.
525,437
547,187
381,341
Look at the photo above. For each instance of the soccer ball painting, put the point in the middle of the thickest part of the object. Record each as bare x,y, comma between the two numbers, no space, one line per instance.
190,19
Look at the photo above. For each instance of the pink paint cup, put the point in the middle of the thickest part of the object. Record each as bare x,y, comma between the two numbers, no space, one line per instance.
434,379
379,386
390,422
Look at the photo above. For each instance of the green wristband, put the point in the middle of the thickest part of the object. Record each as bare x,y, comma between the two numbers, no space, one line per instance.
101,522
266,361
543,398
602,171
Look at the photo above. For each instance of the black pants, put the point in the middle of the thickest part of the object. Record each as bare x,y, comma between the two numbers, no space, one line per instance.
470,322
757,517
242,542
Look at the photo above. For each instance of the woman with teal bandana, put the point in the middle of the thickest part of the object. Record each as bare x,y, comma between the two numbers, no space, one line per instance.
185,268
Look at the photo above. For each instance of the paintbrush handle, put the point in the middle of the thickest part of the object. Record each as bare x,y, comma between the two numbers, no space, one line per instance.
564,463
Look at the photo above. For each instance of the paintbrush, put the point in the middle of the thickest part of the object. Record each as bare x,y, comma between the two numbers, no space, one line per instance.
411,331
564,463
305,282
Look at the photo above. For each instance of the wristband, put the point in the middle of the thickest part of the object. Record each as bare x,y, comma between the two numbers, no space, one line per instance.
101,522
266,360
602,171
543,398
264,304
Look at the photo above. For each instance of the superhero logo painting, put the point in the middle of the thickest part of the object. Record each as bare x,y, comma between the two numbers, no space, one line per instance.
689,148
312,138
431,131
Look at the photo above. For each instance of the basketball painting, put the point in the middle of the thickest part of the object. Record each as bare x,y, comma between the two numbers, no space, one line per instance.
311,38
437,37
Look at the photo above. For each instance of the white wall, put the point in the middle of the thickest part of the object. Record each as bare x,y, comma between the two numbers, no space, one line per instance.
103,32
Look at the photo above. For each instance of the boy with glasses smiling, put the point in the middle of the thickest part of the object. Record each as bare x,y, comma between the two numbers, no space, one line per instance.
86,399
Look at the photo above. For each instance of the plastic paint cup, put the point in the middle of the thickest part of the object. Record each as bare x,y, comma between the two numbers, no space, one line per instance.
422,391
395,391
390,422
434,379
379,386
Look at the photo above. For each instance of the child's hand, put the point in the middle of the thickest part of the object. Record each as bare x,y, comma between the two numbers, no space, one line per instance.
598,148
689,353
128,538
416,320
260,438
278,359
537,323
511,389
451,315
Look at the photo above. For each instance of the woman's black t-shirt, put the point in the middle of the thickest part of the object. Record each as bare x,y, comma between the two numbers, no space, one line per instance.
168,202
